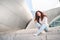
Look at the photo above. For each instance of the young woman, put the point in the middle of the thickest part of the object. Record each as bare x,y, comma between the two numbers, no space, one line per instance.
41,22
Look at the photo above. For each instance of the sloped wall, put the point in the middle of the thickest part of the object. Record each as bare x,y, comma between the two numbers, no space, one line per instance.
53,13
14,14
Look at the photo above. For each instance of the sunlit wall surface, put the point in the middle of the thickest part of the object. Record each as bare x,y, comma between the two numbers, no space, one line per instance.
14,14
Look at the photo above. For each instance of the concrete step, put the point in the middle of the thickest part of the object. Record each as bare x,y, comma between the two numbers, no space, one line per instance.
27,34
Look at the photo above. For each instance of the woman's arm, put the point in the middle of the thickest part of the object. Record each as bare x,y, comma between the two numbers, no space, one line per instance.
45,20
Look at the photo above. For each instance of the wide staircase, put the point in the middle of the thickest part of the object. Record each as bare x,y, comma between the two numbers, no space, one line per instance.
27,34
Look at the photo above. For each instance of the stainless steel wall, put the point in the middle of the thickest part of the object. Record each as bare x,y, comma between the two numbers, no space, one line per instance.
53,13
14,14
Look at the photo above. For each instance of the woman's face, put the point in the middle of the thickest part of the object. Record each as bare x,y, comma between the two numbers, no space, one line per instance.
38,14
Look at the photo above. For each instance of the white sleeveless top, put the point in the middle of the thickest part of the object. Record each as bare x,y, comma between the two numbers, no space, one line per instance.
44,21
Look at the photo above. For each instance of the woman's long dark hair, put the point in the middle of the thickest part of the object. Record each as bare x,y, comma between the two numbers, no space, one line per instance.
37,17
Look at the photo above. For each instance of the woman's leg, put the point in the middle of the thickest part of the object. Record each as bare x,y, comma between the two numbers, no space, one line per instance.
41,29
46,29
38,25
